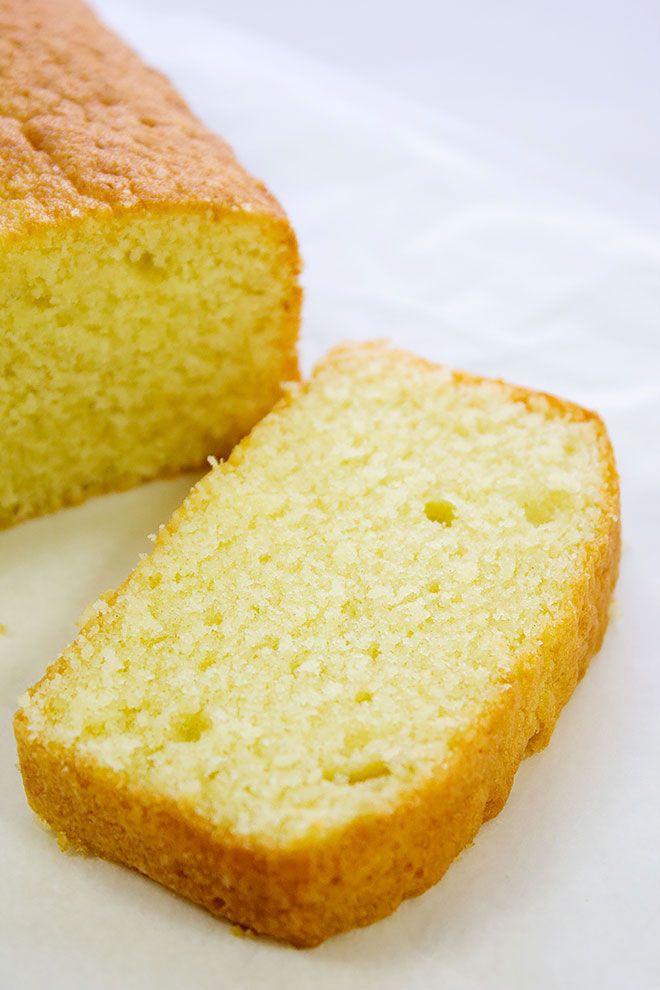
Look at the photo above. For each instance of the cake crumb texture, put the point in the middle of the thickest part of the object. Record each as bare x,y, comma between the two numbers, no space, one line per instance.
302,705
148,283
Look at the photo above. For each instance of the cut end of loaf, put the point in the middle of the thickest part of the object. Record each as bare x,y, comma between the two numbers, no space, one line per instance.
136,345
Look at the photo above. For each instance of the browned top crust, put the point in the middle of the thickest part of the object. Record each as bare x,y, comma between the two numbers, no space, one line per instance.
86,127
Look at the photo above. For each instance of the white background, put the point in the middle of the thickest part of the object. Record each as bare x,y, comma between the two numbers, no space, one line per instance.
572,83
479,184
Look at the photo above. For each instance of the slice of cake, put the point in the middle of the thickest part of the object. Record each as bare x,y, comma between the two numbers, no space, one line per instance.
149,302
302,705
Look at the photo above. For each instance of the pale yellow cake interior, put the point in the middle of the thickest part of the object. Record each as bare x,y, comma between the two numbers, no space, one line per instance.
336,603
136,344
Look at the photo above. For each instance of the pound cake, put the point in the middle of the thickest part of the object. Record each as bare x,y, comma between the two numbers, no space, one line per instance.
302,705
149,301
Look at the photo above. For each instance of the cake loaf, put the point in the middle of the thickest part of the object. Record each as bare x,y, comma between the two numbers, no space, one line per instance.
303,704
149,302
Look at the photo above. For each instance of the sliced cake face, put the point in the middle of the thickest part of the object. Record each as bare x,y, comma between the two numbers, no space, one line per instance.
333,608
136,345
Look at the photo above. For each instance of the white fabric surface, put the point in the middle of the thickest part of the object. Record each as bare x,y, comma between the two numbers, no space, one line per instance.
416,229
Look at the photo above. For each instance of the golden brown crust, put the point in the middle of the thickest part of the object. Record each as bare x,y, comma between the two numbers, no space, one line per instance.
361,872
86,127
